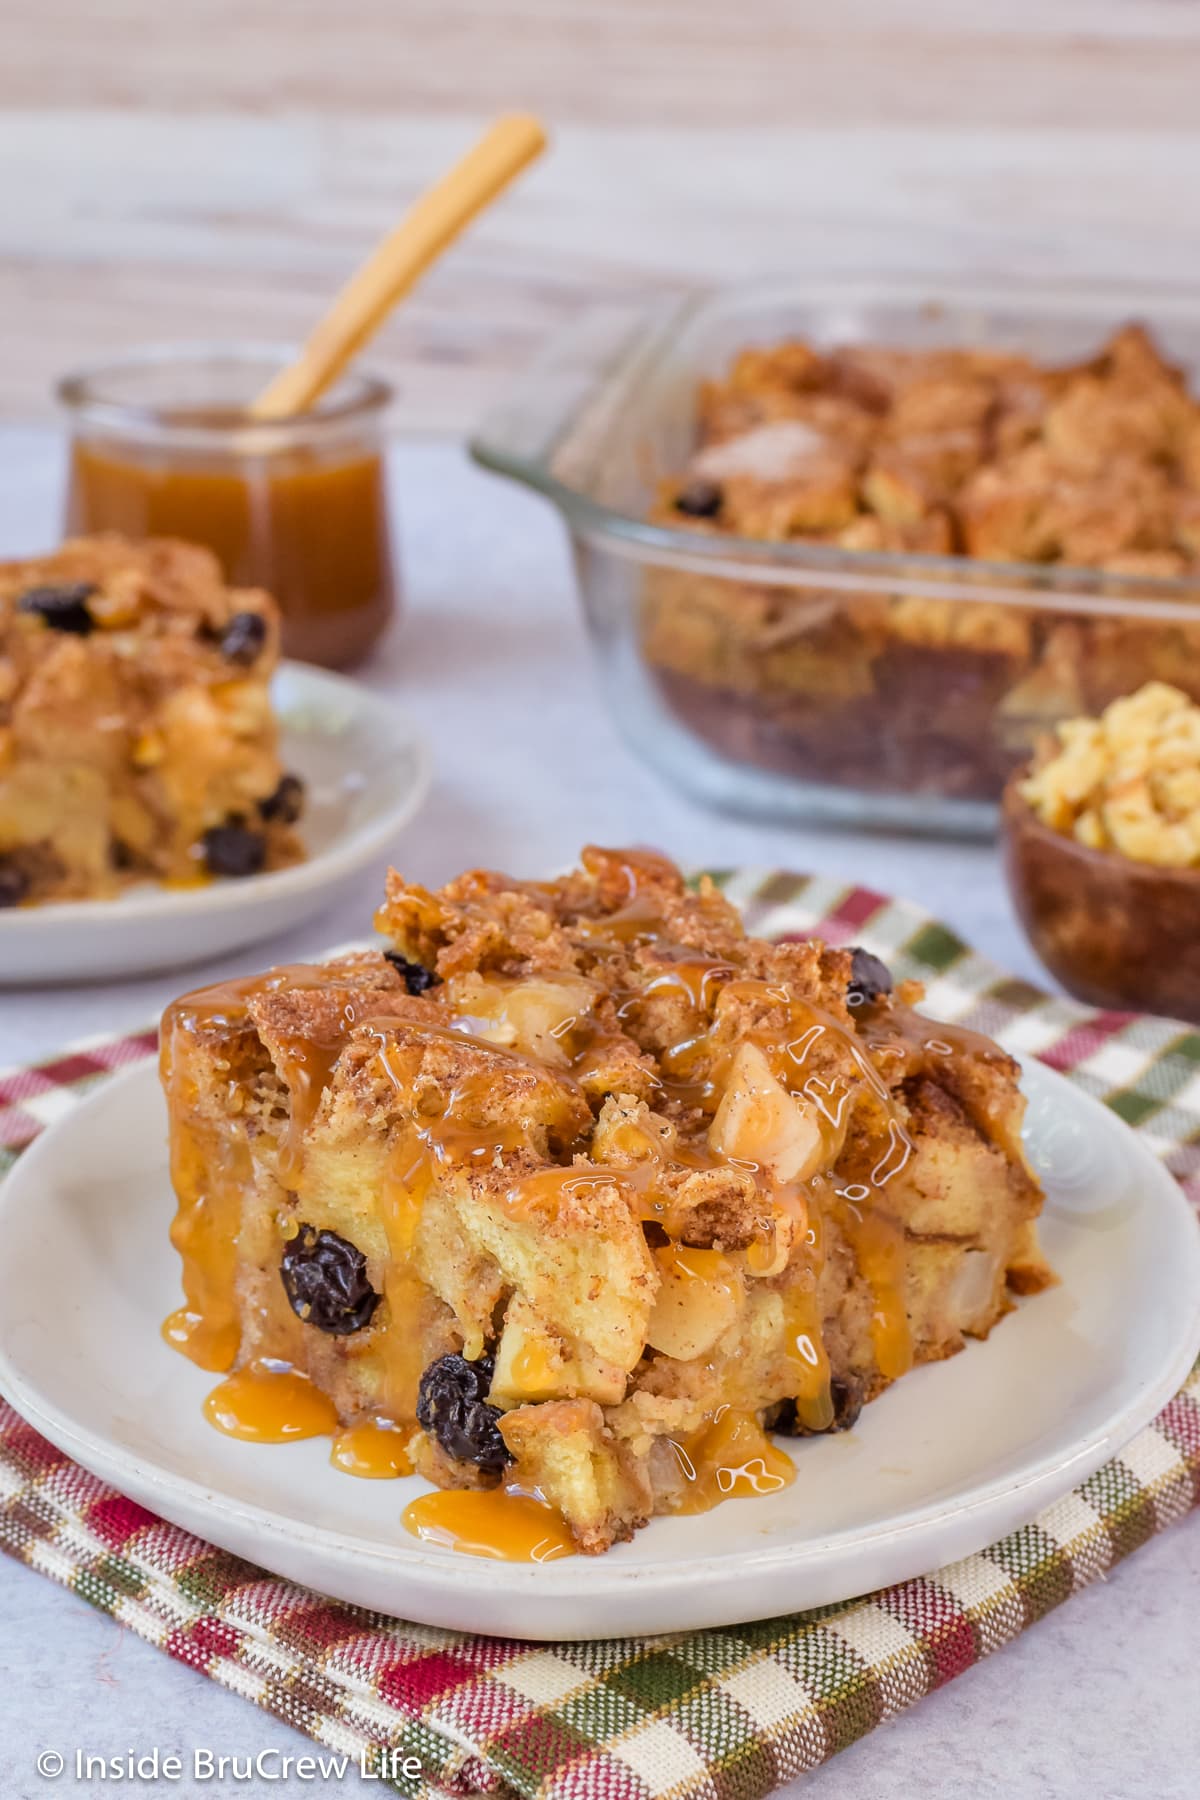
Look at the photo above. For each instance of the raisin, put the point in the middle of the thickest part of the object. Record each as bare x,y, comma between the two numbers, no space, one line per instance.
325,1279
869,978
286,804
700,499
14,883
234,849
452,1407
417,978
846,1394
61,608
243,638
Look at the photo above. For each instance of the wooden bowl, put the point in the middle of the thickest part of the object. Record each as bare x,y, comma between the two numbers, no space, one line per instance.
1115,932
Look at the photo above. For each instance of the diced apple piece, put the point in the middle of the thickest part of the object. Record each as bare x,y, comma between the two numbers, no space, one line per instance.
533,1016
698,1300
971,1295
533,1364
758,1121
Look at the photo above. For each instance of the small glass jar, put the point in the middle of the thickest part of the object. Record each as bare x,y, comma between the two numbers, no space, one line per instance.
162,445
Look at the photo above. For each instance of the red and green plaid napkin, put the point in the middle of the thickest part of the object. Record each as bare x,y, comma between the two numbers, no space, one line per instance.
719,1715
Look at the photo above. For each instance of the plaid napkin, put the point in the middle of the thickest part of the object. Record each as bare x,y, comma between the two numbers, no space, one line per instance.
718,1715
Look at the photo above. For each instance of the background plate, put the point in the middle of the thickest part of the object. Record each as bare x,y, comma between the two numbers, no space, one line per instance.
366,769
954,1456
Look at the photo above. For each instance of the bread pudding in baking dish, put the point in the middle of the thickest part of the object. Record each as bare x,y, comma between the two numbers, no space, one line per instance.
575,1194
903,682
137,736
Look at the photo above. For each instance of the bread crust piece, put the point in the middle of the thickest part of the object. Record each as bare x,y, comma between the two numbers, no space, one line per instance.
134,719
657,1180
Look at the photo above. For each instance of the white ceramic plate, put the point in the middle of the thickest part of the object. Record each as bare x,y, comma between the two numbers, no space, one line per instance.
953,1457
366,770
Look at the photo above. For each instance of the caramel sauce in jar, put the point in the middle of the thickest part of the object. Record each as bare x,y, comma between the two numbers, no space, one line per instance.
493,1522
163,447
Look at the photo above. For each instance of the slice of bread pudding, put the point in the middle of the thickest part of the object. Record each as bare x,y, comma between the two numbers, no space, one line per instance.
586,1191
137,737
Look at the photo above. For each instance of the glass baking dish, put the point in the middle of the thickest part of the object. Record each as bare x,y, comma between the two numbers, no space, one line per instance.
776,679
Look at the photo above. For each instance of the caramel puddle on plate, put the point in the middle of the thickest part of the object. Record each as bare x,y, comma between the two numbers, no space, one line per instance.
373,1449
474,1522
265,1405
730,1459
211,1347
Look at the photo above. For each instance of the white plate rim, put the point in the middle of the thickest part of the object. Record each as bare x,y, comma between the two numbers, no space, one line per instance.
601,1580
351,849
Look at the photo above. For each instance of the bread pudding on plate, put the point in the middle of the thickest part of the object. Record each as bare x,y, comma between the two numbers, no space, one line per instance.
575,1199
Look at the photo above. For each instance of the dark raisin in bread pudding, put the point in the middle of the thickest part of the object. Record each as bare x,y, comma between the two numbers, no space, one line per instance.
587,1191
137,738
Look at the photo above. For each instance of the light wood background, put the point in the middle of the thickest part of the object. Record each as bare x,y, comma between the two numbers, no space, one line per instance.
213,167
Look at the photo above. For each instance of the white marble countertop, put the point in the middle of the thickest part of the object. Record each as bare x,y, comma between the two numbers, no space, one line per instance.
491,659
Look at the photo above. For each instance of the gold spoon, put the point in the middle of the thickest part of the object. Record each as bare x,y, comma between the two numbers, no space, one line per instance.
398,262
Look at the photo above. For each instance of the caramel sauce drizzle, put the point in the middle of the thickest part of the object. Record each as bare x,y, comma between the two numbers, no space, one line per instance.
729,1458
870,1223
226,1004
306,1066
639,920
210,1168
209,1172
904,1030
695,977
877,1239
812,1390
407,1181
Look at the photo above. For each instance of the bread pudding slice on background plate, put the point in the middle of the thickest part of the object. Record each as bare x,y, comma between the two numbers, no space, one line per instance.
168,789
484,1207
137,736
